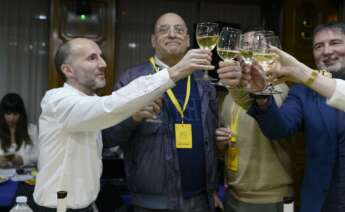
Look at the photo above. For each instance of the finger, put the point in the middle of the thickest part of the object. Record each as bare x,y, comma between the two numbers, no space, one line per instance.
201,61
223,131
277,51
148,108
202,51
228,63
202,55
145,114
222,139
231,83
205,67
157,106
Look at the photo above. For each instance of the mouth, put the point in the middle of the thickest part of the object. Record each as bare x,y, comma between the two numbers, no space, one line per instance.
330,61
100,75
172,43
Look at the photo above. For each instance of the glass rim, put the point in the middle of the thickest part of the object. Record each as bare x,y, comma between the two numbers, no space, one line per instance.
232,28
208,23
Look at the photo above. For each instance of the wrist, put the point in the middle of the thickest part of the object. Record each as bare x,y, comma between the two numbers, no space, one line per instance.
312,76
173,73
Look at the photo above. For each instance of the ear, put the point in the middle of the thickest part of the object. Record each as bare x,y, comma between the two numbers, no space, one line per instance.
188,40
67,70
153,41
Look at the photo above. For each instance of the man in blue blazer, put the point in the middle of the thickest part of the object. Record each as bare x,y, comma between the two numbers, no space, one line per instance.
323,190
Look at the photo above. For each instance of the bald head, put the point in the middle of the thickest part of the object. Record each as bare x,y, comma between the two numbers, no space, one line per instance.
66,49
169,16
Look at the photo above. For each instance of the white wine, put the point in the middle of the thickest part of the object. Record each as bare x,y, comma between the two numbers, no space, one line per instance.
207,42
247,56
227,54
265,57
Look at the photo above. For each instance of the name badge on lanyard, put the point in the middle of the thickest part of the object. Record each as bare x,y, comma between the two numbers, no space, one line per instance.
183,132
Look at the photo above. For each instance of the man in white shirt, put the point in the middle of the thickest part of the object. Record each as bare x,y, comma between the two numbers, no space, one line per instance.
72,116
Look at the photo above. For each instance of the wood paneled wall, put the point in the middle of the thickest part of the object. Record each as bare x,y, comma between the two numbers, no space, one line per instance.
299,20
67,23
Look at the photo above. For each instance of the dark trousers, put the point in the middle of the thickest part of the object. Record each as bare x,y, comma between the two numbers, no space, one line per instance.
198,203
44,209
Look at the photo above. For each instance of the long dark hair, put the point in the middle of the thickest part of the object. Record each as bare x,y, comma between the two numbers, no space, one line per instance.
13,103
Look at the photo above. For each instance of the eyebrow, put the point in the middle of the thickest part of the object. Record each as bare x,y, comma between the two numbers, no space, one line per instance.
168,25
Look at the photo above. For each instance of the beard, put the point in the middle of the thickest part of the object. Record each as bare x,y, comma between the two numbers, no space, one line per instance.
335,67
337,70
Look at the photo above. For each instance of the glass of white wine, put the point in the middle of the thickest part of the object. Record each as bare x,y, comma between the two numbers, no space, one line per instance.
265,58
227,46
207,35
246,43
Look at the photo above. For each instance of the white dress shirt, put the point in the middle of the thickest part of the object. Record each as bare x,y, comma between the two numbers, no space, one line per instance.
70,143
337,100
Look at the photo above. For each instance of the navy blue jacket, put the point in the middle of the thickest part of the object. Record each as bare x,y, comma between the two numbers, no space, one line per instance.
151,162
304,110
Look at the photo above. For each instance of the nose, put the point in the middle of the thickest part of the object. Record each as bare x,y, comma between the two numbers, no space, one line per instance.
11,117
102,63
327,50
171,33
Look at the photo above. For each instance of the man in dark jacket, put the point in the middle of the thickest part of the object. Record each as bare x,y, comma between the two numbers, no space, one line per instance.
170,162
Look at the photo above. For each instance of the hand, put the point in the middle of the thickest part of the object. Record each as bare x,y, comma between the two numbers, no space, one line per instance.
17,160
286,68
253,77
149,111
217,201
230,73
222,138
3,161
194,59
222,135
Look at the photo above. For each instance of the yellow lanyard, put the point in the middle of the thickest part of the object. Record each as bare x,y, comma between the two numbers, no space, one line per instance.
234,116
172,96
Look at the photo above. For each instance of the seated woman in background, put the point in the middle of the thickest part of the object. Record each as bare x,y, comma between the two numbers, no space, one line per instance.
17,136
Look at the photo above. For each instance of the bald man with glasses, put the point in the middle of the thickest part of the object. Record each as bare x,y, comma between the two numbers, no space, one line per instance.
170,163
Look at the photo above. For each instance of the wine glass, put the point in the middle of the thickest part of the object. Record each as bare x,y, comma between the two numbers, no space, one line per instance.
265,58
247,41
227,46
207,35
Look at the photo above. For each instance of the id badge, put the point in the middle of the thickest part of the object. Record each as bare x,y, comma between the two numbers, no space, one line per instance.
183,134
233,154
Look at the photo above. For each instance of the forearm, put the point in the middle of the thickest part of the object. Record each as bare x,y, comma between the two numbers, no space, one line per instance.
94,113
325,86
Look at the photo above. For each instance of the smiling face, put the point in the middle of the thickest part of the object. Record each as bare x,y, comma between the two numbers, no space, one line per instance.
170,39
84,68
329,50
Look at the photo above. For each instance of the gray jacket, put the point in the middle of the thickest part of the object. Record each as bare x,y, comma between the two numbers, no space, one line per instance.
151,162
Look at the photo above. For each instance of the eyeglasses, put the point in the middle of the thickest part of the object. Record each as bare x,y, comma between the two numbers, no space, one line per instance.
178,29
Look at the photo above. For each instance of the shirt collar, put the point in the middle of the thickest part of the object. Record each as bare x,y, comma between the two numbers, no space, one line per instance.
73,89
160,63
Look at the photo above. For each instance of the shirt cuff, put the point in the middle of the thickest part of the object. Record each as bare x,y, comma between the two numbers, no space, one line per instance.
338,98
165,77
